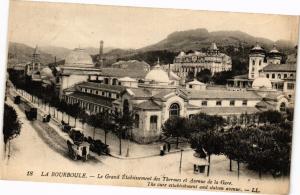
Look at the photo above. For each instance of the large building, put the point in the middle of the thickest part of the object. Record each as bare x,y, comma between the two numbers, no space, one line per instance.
155,96
268,65
194,62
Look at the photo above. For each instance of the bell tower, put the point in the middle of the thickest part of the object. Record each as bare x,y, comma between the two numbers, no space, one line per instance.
256,61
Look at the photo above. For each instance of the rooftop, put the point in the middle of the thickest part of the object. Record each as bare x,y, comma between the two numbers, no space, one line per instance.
148,105
122,72
228,110
280,67
92,98
221,94
117,88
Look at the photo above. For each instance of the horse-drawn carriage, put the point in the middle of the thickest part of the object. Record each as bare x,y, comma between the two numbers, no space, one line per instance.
17,99
46,118
78,150
77,146
30,112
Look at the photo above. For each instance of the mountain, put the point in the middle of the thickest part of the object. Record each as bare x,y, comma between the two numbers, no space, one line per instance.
197,39
21,53
236,44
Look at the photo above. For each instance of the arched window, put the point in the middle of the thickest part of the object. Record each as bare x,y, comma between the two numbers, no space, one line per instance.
282,107
125,107
279,76
174,110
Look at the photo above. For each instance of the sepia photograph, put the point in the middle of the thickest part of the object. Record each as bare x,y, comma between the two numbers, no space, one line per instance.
149,97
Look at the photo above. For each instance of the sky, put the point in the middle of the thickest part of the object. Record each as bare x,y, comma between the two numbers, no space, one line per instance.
74,25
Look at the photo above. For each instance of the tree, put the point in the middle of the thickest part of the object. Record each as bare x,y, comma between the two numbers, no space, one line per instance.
271,116
74,111
84,117
204,76
175,127
221,78
122,123
62,107
106,123
11,124
205,134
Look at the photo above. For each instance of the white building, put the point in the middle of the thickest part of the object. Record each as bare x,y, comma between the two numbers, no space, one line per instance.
213,60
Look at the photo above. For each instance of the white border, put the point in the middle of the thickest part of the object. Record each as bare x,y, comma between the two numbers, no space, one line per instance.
287,7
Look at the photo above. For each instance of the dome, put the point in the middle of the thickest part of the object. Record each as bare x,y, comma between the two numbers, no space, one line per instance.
79,58
261,82
46,73
157,75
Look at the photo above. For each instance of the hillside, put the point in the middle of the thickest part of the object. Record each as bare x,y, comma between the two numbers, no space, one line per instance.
21,53
201,38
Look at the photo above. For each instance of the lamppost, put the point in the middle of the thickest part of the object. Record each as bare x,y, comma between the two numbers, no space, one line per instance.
180,162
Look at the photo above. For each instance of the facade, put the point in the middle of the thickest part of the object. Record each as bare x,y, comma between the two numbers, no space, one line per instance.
156,97
194,62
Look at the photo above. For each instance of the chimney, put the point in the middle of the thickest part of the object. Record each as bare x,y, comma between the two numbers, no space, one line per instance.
100,58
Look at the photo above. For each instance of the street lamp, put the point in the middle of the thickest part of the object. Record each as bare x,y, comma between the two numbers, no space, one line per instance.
180,162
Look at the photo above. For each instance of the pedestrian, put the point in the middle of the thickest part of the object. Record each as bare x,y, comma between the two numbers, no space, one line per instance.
165,147
169,146
162,152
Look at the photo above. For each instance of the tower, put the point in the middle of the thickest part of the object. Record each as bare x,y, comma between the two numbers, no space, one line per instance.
100,57
274,56
36,59
256,61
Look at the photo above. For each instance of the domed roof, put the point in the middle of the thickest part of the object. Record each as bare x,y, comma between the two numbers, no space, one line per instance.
257,49
46,73
261,82
157,75
79,58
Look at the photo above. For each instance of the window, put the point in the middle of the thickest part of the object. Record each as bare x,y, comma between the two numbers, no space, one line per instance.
109,94
273,76
153,122
244,103
136,120
279,76
253,69
204,103
259,62
190,86
267,75
174,110
219,103
290,86
253,62
291,75
232,103
117,96
103,93
285,76
96,92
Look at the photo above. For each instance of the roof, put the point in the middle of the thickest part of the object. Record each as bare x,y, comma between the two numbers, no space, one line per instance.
126,79
195,82
120,72
92,98
243,76
221,94
228,110
265,105
148,105
139,92
116,88
280,67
